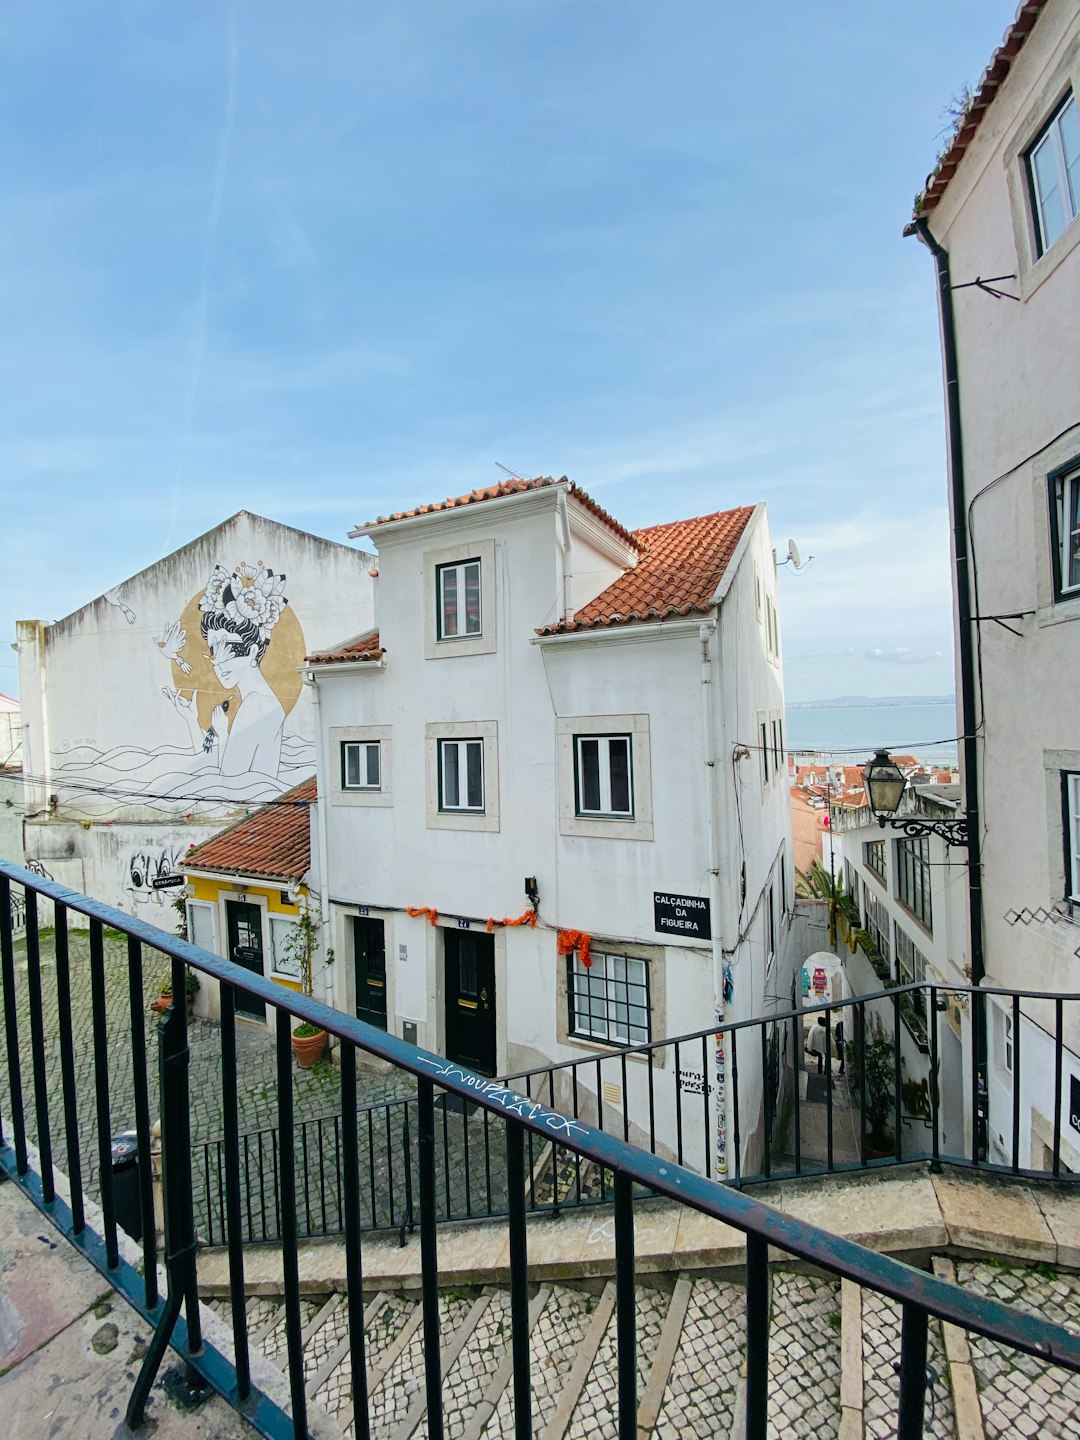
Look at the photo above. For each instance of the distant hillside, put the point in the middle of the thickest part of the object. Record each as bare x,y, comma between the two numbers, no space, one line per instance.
841,702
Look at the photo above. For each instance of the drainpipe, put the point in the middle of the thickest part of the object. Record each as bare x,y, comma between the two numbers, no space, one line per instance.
564,549
954,432
324,848
963,592
718,868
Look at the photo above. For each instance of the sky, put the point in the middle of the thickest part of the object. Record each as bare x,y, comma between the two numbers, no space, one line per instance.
326,261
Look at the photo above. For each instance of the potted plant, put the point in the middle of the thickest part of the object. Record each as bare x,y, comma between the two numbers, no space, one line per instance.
308,1041
872,1064
164,995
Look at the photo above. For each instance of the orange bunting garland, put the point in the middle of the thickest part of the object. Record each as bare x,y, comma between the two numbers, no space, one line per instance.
415,910
570,940
528,917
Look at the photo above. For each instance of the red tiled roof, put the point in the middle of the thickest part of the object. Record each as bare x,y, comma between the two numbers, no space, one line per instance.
273,844
680,567
365,648
993,76
513,486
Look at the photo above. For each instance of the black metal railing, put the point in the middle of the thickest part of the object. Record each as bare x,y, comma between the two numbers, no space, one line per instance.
33,1098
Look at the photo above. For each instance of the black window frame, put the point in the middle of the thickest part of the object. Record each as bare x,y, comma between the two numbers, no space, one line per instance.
440,570
579,811
1071,859
575,970
1056,482
911,878
365,745
871,850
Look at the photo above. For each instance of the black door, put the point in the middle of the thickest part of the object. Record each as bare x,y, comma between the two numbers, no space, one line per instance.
470,999
369,951
246,948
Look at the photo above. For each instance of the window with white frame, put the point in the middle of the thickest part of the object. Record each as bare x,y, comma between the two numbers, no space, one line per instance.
1003,1027
876,923
604,775
361,765
1070,815
202,926
285,961
1054,172
458,598
763,733
461,775
1065,531
609,998
874,857
770,928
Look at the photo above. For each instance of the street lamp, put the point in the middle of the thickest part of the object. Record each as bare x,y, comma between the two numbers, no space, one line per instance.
885,782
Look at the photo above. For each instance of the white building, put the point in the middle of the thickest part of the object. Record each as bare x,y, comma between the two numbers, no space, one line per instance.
1003,210
10,733
556,707
163,709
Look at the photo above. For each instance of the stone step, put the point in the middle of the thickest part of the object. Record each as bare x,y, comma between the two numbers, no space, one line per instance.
700,1389
804,1356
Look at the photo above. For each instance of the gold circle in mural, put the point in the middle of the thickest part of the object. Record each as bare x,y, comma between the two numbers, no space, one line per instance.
280,665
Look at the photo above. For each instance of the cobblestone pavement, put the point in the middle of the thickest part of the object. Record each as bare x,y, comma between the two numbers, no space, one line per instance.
1019,1393
393,1399
553,1348
599,1399
700,1396
804,1357
881,1383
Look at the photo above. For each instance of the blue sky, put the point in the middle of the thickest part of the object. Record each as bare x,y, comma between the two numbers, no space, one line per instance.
324,261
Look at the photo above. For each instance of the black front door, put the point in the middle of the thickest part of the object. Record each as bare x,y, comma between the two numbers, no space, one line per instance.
246,948
369,951
470,999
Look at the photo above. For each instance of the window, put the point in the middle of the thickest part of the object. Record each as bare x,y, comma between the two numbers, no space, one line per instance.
1054,173
913,878
770,928
777,744
911,963
201,925
603,775
763,731
1065,531
285,962
609,999
874,856
457,589
1003,1026
461,775
361,767
876,923
1070,817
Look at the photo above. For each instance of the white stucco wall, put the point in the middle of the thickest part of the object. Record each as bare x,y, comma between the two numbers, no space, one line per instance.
133,771
1019,385
387,857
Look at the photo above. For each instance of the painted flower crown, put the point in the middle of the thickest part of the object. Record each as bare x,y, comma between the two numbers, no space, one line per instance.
250,594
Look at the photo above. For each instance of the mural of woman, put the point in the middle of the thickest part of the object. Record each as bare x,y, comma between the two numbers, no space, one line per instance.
238,612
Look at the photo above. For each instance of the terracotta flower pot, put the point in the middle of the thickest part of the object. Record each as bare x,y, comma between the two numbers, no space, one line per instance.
309,1048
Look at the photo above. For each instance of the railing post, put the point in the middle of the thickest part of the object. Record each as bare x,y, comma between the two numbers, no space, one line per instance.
757,1337
625,1303
11,1028
350,1190
407,1219
429,1258
935,1082
519,1281
912,1374
179,1216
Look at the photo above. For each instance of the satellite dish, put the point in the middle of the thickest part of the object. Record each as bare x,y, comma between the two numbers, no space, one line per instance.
793,554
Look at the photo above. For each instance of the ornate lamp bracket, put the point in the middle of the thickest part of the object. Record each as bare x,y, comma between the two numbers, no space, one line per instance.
953,832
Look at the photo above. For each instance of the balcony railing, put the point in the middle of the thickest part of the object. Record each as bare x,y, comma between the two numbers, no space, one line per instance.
51,1113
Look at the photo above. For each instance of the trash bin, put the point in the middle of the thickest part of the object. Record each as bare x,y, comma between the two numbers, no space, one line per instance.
125,1172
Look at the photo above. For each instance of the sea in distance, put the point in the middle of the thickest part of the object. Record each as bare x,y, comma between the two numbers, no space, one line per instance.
850,728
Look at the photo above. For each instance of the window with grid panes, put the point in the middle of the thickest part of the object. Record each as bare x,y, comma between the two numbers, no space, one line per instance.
609,999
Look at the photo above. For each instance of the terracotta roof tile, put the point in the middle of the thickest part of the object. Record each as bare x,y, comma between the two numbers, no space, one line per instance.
272,844
680,567
1000,64
513,486
364,649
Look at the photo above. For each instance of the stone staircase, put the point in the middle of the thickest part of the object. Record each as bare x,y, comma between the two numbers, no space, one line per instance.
832,1353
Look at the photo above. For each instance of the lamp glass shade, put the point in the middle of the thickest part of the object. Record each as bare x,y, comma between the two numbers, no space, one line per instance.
884,782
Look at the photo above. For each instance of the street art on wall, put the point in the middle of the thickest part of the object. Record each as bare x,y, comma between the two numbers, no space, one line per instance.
234,654
145,866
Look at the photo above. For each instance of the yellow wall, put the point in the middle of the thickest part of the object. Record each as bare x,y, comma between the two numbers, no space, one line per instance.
202,887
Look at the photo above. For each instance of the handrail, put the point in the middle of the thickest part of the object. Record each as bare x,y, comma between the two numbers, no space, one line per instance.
753,1217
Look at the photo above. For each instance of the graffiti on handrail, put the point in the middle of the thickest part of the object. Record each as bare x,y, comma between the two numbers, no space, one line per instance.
510,1100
